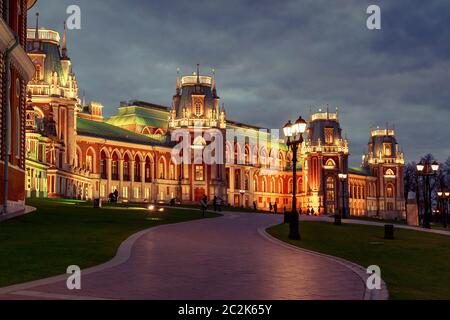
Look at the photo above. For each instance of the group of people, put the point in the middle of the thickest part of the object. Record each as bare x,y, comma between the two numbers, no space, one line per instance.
114,196
217,204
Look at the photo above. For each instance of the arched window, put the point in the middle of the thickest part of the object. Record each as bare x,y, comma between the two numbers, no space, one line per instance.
137,169
172,172
255,185
115,167
38,75
247,155
126,168
148,170
162,169
237,180
389,191
331,195
264,185
18,131
330,164
290,186
246,182
103,165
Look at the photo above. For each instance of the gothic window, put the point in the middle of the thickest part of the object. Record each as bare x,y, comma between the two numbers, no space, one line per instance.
38,72
126,168
330,164
115,167
331,192
162,169
329,135
390,172
172,172
199,174
148,170
387,149
389,191
103,165
198,109
137,170
18,140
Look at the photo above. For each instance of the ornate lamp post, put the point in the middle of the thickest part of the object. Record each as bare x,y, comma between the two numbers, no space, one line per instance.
426,169
294,138
443,205
338,217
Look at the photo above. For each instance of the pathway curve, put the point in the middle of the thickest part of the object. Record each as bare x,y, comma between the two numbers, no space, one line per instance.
229,257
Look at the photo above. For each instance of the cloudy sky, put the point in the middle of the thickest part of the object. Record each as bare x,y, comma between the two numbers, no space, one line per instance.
275,60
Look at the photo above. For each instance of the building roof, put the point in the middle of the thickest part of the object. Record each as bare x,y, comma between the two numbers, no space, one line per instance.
105,130
361,171
143,115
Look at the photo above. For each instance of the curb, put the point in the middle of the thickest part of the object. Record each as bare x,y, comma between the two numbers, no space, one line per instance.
382,294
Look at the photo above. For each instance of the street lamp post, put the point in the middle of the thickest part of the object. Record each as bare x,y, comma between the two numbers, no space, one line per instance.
427,169
443,205
294,138
338,217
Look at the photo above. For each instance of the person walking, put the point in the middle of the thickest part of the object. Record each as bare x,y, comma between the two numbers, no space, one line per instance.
204,205
254,206
275,208
215,203
270,206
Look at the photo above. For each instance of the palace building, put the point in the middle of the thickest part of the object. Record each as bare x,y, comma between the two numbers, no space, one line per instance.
73,151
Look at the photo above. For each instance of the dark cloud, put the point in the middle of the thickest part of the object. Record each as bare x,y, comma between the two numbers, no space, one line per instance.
275,59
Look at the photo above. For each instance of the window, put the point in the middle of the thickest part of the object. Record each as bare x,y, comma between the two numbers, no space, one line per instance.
330,192
387,147
148,171
18,135
136,193
198,109
172,172
329,135
115,168
38,72
199,176
330,164
126,168
103,166
162,169
389,191
89,163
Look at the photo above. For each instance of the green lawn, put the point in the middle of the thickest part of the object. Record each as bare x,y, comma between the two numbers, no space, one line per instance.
63,233
415,265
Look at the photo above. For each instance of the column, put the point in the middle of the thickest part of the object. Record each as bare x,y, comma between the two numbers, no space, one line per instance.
121,178
143,179
131,168
109,176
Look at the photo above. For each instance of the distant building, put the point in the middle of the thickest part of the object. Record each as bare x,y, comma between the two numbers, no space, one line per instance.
15,71
74,152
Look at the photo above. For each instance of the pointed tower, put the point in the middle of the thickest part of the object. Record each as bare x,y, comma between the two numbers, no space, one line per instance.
386,162
326,156
196,108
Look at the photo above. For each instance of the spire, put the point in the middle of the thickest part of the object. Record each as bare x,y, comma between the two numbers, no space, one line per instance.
214,82
64,42
36,34
178,86
198,73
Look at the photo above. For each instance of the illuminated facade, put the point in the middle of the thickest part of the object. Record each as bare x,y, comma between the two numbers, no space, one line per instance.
74,152
16,69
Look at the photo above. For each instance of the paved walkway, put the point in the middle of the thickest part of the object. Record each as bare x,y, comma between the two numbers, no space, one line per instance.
229,257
